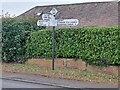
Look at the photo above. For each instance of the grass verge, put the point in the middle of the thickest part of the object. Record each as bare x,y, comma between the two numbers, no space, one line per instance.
65,73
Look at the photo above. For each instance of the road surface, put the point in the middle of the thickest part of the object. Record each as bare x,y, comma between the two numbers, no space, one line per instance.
18,84
17,80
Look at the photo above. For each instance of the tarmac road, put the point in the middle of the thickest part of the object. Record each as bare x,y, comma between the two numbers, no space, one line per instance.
17,80
18,84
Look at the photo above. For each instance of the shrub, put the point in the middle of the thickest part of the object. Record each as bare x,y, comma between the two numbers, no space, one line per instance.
95,45
14,34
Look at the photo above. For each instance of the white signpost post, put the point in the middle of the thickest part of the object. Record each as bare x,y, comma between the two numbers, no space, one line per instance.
49,20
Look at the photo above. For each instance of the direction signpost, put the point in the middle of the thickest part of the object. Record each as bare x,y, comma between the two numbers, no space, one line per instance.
53,12
49,20
43,23
68,22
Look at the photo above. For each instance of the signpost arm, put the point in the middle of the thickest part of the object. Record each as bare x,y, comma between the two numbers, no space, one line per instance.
53,47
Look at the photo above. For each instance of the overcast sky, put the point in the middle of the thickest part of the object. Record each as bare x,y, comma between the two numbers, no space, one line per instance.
18,7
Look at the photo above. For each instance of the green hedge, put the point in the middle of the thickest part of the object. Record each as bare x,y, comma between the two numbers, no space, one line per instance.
14,34
95,45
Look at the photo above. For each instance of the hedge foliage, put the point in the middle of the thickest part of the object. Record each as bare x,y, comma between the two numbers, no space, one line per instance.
14,35
95,45
22,39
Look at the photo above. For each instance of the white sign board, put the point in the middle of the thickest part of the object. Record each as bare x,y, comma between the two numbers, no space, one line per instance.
45,16
48,17
47,23
49,20
53,22
43,23
53,11
68,22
